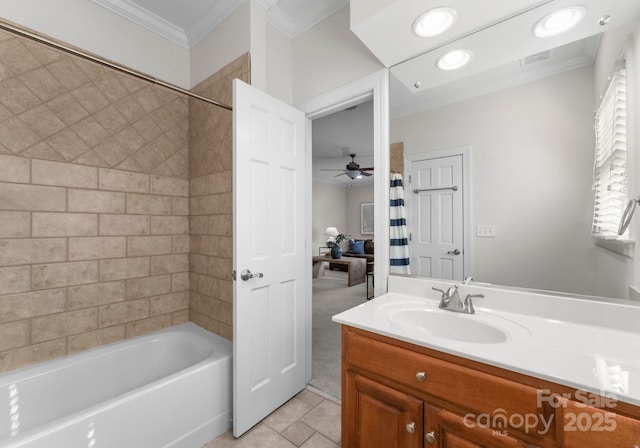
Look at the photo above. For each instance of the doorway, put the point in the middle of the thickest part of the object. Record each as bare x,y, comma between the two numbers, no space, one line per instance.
343,180
372,87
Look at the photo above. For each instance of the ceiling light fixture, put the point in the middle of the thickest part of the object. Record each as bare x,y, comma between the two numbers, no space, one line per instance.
435,21
454,59
559,21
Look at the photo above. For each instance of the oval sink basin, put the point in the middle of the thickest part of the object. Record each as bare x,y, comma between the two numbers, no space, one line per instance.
469,328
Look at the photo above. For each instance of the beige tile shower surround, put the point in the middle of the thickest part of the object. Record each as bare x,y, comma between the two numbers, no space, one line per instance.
94,205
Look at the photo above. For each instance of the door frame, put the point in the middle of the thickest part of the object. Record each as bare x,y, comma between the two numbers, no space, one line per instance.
371,87
465,152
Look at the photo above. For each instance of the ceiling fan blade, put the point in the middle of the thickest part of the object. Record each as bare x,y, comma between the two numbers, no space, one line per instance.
366,174
367,169
341,174
329,169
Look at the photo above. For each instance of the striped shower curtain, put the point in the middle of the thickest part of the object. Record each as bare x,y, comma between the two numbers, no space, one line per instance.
399,252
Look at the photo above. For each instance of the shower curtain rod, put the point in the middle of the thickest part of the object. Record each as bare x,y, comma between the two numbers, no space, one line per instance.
4,25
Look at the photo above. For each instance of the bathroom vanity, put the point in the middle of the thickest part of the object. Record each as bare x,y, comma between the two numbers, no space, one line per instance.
525,370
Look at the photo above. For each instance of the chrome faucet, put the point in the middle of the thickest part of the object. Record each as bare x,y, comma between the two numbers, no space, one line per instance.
450,300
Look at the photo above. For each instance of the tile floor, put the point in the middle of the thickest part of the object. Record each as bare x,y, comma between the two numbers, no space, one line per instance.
308,420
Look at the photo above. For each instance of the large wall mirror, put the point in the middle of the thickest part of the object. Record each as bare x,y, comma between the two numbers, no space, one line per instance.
527,130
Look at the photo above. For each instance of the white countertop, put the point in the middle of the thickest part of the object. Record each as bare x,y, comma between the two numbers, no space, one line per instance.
585,344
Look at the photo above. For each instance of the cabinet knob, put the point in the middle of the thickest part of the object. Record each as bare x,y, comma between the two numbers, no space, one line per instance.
431,437
421,376
411,427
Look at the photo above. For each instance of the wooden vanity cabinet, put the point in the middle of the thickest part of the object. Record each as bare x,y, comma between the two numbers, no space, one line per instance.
396,394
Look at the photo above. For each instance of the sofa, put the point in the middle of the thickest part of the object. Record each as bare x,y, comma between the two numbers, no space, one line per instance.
356,249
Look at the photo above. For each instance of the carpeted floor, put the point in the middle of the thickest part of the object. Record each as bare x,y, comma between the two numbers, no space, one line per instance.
330,296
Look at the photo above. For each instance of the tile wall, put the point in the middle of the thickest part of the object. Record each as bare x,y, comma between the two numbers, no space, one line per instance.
211,201
94,206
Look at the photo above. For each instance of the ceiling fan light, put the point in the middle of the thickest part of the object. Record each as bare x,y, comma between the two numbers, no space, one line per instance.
454,59
354,174
559,21
435,21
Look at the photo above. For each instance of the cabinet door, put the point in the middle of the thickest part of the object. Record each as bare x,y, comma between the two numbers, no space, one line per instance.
378,416
583,426
444,429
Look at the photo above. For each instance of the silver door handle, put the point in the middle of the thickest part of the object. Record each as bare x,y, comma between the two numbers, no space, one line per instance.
453,252
247,275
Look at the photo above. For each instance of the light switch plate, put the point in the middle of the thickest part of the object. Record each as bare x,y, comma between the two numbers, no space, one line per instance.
486,231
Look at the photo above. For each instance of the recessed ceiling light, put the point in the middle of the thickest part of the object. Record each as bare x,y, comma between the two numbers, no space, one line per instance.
559,21
435,21
454,59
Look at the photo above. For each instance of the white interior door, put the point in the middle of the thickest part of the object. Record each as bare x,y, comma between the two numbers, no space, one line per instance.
269,240
436,221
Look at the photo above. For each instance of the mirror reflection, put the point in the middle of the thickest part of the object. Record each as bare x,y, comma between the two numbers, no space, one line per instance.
519,141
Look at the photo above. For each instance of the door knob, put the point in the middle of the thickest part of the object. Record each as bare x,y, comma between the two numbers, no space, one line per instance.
411,427
247,275
453,252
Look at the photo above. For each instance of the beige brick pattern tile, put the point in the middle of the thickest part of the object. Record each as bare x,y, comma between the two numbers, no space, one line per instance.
47,276
96,201
140,246
148,286
144,204
96,294
169,264
32,354
169,225
144,326
64,224
169,186
180,206
15,279
64,324
32,304
114,225
124,268
93,339
119,313
14,169
169,303
95,248
181,244
116,180
180,282
14,335
28,251
31,197
44,172
15,224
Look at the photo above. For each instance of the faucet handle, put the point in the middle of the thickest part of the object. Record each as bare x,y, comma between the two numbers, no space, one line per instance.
444,293
468,303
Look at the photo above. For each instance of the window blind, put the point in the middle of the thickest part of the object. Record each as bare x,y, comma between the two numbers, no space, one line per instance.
610,165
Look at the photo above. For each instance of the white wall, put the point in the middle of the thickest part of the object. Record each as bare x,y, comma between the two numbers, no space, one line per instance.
279,65
531,174
103,33
329,205
327,56
355,197
228,41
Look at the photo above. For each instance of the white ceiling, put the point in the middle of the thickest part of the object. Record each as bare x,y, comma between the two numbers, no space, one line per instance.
336,136
185,22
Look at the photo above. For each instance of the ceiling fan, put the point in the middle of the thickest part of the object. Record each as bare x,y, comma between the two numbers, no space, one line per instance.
353,169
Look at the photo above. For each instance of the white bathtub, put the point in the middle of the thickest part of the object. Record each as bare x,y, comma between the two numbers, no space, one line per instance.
171,388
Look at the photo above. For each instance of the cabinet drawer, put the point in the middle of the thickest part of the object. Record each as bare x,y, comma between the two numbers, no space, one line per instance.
486,398
580,425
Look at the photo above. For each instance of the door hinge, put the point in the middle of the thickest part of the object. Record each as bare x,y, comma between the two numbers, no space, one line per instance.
233,275
410,236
